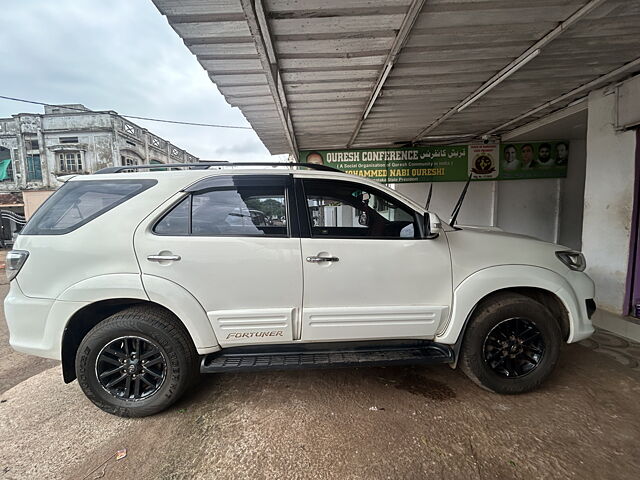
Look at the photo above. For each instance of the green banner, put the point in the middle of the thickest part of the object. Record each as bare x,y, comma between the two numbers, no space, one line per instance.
4,165
450,163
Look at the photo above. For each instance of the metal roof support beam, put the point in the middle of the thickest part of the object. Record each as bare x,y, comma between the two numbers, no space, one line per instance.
403,33
259,28
486,86
579,105
598,82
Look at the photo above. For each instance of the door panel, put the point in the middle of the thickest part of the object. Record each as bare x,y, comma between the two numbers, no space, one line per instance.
230,249
368,274
377,288
246,285
333,323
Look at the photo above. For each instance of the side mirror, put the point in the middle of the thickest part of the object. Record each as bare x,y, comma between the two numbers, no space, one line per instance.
432,225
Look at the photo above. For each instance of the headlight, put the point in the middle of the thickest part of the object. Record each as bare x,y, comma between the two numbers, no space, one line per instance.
572,259
14,262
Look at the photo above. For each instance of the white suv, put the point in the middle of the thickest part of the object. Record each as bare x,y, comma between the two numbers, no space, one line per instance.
139,281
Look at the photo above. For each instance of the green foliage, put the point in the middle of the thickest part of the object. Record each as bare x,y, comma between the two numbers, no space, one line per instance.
269,206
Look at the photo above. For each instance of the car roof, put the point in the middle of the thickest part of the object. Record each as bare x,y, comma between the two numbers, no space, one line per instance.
197,174
187,177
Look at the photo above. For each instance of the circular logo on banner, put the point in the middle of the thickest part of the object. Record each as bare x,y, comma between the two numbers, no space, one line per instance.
483,165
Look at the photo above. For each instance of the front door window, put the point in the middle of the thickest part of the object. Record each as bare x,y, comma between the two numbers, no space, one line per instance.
350,210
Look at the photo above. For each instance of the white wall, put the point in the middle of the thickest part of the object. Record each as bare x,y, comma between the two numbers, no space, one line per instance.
609,183
530,207
548,209
476,210
572,197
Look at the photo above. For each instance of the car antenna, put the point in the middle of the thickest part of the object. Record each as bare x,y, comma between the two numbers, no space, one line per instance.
456,209
429,197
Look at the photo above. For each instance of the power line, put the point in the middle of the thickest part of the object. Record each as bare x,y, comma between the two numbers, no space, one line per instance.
196,124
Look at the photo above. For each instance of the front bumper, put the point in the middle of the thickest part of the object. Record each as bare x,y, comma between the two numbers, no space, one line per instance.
581,311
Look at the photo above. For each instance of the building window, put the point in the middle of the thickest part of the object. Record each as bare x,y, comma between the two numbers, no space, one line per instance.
32,144
130,129
126,161
68,139
70,161
34,168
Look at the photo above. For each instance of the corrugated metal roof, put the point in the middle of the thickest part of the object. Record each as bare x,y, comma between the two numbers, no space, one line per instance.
329,55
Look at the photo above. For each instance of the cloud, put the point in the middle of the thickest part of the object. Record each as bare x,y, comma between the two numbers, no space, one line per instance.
251,146
118,55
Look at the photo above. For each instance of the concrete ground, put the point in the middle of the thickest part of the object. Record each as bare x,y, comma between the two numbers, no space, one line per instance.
373,423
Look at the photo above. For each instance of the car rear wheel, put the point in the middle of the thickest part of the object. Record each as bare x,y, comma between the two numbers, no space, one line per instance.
511,344
137,362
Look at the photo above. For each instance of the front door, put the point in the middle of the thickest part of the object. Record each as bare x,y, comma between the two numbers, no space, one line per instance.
229,242
367,272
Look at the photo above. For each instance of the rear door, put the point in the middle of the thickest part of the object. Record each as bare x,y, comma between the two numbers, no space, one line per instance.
368,274
230,242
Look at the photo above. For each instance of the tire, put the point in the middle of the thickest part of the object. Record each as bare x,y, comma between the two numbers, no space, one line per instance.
167,362
508,369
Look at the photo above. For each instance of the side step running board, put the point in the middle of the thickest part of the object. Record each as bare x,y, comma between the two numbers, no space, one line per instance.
238,360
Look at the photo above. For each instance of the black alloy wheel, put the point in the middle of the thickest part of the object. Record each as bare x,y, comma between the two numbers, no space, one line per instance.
514,347
137,362
131,368
511,343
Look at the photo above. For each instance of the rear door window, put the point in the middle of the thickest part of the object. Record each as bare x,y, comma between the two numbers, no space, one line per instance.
239,212
77,203
252,207
176,222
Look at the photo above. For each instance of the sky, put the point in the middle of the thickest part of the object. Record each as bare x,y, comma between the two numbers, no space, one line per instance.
117,55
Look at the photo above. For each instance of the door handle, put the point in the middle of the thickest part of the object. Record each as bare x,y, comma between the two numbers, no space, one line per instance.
163,258
322,259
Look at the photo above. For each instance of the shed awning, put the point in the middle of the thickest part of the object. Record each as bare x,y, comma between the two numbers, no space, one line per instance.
360,73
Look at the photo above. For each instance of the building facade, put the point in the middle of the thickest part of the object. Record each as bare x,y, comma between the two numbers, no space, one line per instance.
35,149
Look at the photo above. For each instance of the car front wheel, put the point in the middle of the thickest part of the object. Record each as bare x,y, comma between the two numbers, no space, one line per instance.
136,363
511,344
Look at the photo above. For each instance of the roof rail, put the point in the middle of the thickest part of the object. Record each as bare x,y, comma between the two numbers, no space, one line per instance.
205,165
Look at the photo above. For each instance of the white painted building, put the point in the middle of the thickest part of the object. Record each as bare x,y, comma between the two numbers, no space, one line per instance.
69,139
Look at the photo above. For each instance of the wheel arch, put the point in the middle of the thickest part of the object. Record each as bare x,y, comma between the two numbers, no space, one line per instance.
540,284
108,294
545,297
87,317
